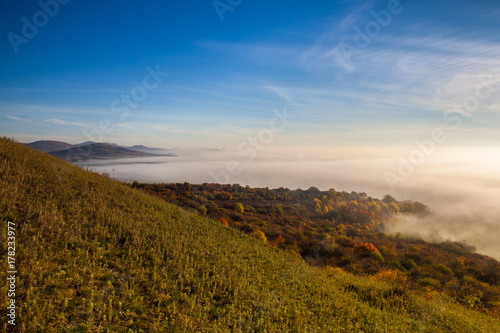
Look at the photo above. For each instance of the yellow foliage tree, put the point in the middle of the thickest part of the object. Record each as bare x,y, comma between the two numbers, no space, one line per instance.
259,234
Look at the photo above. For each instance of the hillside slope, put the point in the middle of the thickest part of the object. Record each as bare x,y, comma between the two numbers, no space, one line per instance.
95,255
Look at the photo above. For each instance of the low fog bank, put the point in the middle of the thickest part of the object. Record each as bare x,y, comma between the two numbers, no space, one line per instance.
461,186
464,208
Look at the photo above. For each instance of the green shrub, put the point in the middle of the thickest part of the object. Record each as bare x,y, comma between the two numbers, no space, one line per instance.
443,269
409,264
428,281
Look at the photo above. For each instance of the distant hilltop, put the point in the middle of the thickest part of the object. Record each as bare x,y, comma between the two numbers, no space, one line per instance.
94,150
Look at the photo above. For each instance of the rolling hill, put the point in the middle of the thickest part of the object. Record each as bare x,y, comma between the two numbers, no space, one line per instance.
95,255
98,151
48,146
95,150
145,149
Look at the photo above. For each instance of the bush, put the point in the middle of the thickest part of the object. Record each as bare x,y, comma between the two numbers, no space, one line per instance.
409,264
430,282
239,208
397,265
224,222
377,256
368,250
443,269
391,276
258,234
472,300
344,241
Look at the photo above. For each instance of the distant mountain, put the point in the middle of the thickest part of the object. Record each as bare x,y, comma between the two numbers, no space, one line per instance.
97,151
155,151
142,147
86,143
48,146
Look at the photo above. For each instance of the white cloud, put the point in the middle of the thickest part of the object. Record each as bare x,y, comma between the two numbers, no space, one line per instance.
351,20
128,126
281,92
64,122
15,118
431,73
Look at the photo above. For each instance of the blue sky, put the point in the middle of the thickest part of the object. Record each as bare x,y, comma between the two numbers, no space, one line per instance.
387,86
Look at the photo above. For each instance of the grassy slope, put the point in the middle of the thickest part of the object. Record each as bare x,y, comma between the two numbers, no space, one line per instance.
95,255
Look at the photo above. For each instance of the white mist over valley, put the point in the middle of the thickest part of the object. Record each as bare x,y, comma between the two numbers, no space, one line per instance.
460,185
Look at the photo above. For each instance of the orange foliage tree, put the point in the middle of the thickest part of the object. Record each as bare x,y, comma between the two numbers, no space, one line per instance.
366,249
223,222
277,241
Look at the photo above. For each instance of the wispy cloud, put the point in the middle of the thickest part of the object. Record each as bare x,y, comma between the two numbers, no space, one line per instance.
64,122
417,69
433,72
352,19
281,93
128,126
15,118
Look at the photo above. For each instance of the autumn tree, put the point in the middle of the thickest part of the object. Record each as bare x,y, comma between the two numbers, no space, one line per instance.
258,234
239,208
388,199
277,241
223,221
368,250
